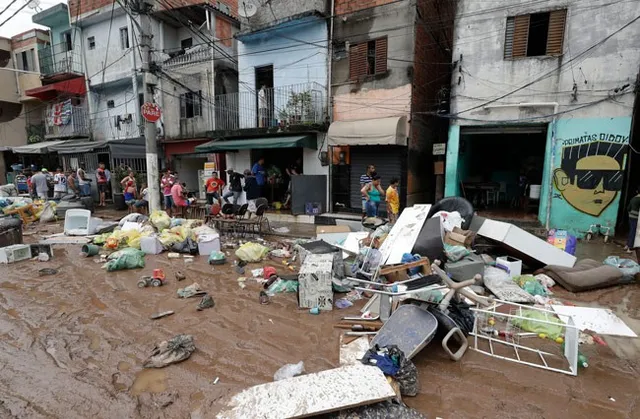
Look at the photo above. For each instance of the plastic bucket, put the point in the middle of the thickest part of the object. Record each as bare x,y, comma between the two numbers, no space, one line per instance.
90,250
534,191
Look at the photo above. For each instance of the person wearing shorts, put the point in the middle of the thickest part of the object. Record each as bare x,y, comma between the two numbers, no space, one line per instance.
143,202
178,196
167,181
59,184
129,188
101,177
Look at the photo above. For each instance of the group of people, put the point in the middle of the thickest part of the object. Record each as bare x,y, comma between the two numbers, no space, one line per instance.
372,193
74,182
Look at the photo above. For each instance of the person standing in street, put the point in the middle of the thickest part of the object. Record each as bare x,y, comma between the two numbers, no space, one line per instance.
633,208
83,181
59,184
129,188
393,201
213,187
178,195
167,181
101,178
235,186
258,171
373,193
294,169
364,181
40,185
72,184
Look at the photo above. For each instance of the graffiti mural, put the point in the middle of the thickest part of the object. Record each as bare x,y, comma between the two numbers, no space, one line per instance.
591,171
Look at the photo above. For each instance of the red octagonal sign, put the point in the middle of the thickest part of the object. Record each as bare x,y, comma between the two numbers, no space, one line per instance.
151,112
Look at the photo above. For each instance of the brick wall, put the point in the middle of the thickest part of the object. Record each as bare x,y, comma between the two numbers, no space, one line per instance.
223,31
80,7
350,6
431,82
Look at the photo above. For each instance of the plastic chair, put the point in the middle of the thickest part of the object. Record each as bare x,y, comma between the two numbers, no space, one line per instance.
255,224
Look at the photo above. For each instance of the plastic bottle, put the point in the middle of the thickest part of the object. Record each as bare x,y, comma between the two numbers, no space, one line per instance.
582,361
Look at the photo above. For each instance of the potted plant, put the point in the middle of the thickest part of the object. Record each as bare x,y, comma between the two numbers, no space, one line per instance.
297,109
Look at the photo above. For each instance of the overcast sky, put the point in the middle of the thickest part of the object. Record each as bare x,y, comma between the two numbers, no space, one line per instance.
22,21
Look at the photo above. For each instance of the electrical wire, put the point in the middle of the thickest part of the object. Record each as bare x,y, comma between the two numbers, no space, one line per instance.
15,13
7,8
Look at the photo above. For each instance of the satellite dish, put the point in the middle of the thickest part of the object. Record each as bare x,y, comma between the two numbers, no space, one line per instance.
246,8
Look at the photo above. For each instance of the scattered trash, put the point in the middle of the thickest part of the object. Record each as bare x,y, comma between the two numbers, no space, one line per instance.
281,230
343,303
154,281
43,257
252,252
190,291
90,250
161,315
206,302
180,276
258,273
128,258
392,362
47,271
171,351
280,285
160,220
280,253
264,299
289,371
216,381
314,310
173,255
242,282
612,399
217,258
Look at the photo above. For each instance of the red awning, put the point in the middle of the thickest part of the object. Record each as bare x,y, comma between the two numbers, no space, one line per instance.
71,87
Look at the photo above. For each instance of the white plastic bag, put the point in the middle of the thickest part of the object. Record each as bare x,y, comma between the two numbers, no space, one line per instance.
48,213
289,371
449,219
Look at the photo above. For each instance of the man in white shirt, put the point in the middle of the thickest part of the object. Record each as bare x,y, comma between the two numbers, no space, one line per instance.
83,182
39,182
59,184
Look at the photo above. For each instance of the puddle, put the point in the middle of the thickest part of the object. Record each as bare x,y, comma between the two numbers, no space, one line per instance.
123,366
95,301
149,380
94,339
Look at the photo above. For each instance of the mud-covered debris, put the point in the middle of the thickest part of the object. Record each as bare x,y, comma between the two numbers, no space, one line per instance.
190,291
180,276
206,302
170,352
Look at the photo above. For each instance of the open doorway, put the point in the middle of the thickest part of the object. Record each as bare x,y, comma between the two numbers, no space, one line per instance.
264,97
276,161
500,170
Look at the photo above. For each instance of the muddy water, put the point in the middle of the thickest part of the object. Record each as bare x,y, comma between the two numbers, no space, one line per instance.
72,345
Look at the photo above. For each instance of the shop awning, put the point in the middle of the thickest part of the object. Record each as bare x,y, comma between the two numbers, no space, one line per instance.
72,87
381,131
306,141
38,148
132,147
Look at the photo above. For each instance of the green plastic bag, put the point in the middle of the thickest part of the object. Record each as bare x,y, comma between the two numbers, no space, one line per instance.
252,252
126,259
280,285
530,284
532,325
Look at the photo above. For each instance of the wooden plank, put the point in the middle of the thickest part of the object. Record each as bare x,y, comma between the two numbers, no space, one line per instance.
311,394
555,37
396,268
520,36
404,234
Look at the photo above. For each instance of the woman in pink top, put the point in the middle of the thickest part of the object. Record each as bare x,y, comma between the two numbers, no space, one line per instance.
177,195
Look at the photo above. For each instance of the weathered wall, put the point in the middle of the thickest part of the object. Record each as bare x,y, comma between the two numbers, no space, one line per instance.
125,102
350,6
107,51
276,10
597,65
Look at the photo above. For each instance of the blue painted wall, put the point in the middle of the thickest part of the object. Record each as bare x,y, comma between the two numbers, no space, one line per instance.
302,60
452,178
598,149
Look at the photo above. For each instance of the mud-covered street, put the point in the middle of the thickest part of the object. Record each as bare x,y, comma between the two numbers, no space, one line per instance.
72,346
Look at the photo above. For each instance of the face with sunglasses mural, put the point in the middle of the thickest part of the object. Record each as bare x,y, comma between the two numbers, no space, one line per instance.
591,175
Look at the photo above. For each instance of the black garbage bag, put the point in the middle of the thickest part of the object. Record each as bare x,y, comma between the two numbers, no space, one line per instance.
382,410
186,246
392,361
454,203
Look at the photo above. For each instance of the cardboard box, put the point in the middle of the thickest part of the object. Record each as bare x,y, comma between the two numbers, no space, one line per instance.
315,278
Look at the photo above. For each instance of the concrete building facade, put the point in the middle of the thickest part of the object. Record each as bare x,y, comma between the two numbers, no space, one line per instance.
545,93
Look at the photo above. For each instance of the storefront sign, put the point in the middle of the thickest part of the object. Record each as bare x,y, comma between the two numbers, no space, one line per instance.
209,168
151,112
439,149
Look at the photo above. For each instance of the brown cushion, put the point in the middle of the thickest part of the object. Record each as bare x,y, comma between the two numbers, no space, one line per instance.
587,274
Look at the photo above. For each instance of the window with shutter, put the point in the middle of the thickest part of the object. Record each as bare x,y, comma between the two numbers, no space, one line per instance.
535,35
557,21
357,61
197,104
183,106
368,58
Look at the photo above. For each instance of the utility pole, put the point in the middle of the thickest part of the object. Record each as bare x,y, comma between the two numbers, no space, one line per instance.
148,83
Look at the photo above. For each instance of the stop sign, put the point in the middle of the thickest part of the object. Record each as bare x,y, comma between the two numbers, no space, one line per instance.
150,111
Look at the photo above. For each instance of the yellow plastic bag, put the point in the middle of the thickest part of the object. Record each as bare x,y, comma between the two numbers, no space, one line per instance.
252,252
160,220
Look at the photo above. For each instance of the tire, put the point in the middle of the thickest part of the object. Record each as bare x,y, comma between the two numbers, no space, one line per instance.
156,282
142,283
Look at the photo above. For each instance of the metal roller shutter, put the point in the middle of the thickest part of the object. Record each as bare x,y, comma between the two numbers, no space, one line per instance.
390,162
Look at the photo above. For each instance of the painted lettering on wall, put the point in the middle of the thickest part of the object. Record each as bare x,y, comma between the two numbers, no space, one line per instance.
591,171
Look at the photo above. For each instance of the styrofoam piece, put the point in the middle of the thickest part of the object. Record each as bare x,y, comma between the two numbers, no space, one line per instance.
15,253
311,394
208,243
130,225
315,282
151,245
510,264
599,320
524,243
404,234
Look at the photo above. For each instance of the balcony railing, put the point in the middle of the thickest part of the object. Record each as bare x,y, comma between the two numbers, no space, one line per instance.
125,126
198,54
296,104
66,121
58,59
